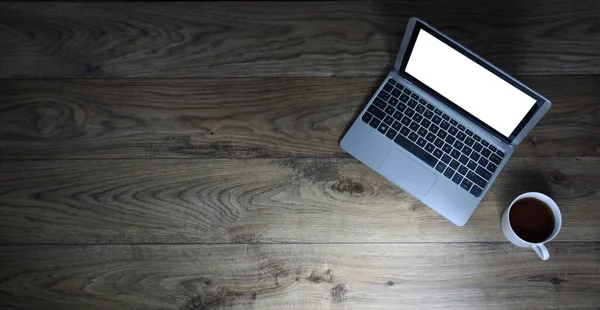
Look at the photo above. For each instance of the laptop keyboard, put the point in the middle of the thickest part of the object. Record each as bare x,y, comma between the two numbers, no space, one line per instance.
434,137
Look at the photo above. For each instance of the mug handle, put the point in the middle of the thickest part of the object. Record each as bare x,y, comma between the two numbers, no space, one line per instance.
541,251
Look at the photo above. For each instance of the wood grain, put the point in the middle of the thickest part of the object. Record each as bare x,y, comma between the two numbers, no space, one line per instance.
117,40
333,276
265,201
249,117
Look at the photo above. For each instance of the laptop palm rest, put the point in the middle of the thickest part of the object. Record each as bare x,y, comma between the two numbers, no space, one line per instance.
409,172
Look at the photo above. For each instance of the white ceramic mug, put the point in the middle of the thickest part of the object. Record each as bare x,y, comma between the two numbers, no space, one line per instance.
510,234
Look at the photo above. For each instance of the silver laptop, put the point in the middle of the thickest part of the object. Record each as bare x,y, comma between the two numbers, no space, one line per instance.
443,123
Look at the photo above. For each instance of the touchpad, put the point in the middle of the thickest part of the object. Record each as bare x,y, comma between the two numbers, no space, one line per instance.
409,172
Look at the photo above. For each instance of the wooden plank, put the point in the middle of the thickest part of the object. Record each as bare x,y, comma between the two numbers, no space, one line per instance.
265,200
267,117
117,40
315,276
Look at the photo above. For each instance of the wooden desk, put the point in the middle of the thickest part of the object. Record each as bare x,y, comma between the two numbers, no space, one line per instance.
185,156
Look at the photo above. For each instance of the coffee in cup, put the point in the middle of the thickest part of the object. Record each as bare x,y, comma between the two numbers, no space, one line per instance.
531,220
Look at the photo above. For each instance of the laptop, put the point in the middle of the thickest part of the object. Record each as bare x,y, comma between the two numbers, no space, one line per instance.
443,123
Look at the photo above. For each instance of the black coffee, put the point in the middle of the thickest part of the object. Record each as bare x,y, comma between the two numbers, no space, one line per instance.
532,220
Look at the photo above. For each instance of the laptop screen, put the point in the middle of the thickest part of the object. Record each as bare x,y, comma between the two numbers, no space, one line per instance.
469,85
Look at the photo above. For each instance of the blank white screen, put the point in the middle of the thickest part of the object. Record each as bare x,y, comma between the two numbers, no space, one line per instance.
467,84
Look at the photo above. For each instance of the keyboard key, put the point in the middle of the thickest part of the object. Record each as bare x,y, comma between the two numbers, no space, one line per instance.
405,131
453,122
425,123
436,120
422,132
446,159
486,175
439,142
444,125
401,107
457,178
396,93
396,126
421,142
463,160
459,145
449,173
477,138
378,102
391,134
463,170
455,153
493,148
374,123
476,179
391,81
468,132
483,162
466,150
393,101
469,141
433,128
405,120
411,103
398,115
390,110
486,152
430,137
500,153
400,87
383,128
407,91
472,165
442,134
450,139
495,159
447,148
414,126
417,117
474,156
461,127
429,147
437,153
422,101
367,117
415,150
461,136
388,87
440,167
420,108
491,167
476,191
444,116
454,164
452,130
437,111
384,95
485,143
409,112
430,106
404,98
413,137
388,120
477,146
414,96
428,114
466,184
375,111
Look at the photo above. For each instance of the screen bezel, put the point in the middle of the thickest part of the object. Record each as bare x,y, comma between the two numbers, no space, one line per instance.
539,101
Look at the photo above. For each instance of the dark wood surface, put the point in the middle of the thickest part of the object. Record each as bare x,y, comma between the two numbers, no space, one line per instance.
73,40
185,156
